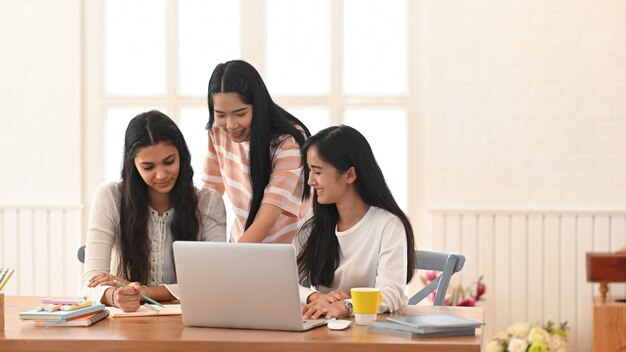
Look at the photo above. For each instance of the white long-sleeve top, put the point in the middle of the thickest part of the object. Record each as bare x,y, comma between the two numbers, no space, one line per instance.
372,253
102,254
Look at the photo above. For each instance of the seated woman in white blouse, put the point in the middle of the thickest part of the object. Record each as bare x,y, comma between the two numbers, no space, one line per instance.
358,235
133,223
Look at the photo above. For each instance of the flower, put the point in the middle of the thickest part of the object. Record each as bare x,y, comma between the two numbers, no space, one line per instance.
524,337
538,334
480,289
517,345
495,346
558,343
538,346
519,330
459,295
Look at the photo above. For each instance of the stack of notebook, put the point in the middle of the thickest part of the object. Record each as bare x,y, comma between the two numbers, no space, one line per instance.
426,326
65,312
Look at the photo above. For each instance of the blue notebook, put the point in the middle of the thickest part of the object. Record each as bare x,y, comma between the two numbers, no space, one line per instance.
34,314
425,324
397,329
85,320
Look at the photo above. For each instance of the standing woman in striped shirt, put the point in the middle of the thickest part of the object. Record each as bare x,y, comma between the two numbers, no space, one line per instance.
254,156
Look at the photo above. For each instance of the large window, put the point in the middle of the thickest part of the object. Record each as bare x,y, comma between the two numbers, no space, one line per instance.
326,61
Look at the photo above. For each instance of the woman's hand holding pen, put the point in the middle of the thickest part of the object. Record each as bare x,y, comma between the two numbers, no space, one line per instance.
128,298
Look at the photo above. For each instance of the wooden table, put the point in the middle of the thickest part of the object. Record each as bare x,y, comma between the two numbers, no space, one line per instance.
609,325
168,333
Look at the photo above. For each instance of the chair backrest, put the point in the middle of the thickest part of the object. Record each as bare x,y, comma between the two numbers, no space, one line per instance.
81,254
447,263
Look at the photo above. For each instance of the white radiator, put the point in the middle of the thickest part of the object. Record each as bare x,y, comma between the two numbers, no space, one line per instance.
533,263
40,243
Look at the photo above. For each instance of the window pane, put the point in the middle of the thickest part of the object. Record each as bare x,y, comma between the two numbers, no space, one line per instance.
314,119
115,123
134,47
298,47
209,34
389,143
375,47
192,122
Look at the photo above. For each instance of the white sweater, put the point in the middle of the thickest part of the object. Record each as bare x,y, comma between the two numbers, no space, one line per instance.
372,254
102,255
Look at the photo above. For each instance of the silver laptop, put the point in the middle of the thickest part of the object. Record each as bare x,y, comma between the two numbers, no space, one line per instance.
239,285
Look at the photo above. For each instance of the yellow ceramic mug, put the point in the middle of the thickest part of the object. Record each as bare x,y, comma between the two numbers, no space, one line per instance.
365,302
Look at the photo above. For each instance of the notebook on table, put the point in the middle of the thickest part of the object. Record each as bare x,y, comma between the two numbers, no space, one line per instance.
37,314
146,310
389,327
429,324
239,285
85,320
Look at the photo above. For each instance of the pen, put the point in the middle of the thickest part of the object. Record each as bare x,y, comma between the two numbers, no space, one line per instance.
141,294
6,279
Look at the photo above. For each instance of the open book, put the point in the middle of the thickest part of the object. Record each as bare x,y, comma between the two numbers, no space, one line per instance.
145,310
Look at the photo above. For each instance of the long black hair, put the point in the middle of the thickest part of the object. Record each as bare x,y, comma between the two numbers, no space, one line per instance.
146,129
344,147
268,121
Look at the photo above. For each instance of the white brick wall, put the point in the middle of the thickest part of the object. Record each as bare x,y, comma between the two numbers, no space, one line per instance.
40,101
528,103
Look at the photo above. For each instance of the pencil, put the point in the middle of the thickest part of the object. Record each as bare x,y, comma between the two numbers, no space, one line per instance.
3,275
75,306
151,308
142,295
6,279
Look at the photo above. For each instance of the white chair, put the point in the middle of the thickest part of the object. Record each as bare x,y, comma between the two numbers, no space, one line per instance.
447,263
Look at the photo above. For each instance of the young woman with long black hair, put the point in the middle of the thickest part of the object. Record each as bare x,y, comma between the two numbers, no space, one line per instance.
358,235
254,156
133,223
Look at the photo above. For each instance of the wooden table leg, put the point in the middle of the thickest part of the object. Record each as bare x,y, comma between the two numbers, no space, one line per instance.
604,289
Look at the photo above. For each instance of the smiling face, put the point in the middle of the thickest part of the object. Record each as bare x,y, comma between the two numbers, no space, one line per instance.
330,184
158,165
233,116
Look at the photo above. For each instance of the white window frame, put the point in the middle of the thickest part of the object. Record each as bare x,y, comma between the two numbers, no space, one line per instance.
95,102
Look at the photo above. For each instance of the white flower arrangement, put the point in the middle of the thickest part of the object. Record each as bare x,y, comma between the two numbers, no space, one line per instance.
524,337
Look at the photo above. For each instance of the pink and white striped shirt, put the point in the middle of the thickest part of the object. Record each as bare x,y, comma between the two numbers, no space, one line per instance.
227,168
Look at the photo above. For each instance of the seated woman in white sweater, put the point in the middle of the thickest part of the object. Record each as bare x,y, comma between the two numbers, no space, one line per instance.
133,223
358,235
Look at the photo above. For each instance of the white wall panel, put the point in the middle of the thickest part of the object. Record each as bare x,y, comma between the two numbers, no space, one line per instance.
533,262
40,243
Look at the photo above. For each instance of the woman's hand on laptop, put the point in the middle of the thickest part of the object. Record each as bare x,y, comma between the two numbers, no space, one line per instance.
322,310
330,297
326,305
105,279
